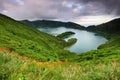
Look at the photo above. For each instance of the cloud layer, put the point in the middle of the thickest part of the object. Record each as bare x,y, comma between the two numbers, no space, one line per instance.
65,10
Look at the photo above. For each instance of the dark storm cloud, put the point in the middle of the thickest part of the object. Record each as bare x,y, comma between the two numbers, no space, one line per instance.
110,6
1,6
42,9
65,10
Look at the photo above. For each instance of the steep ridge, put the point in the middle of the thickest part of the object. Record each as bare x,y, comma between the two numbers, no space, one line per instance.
31,42
110,27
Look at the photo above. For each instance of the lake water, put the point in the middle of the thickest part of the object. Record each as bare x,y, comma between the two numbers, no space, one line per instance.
86,41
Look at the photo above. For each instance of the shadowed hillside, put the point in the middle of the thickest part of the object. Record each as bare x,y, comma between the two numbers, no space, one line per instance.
52,24
109,27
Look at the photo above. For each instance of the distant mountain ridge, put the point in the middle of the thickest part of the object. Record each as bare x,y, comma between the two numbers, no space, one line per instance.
112,26
52,24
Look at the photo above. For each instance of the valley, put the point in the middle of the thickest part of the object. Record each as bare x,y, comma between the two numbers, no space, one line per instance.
27,53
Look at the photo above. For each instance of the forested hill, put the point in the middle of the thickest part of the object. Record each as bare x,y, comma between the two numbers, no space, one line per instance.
109,27
31,42
52,24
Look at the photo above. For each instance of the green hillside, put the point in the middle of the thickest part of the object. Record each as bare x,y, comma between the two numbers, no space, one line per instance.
30,41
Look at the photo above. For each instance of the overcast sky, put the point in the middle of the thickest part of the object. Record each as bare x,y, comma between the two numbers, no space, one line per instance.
84,12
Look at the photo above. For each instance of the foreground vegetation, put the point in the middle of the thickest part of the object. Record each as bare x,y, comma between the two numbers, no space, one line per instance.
15,68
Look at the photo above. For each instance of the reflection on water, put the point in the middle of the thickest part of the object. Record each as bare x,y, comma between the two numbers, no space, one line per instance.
85,40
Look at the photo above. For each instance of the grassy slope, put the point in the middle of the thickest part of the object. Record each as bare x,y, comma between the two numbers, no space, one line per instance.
31,42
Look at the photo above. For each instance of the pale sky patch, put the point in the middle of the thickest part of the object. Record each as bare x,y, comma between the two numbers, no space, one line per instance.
93,20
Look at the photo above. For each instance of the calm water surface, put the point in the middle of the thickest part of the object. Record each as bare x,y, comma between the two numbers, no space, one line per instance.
86,41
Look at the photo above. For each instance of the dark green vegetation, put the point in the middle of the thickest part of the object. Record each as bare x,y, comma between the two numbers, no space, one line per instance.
31,42
101,64
107,28
71,41
65,34
52,24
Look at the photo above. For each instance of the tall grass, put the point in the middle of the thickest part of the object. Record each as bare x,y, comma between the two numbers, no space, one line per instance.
13,68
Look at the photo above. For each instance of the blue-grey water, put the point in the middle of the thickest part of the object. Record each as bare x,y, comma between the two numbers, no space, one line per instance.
86,41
